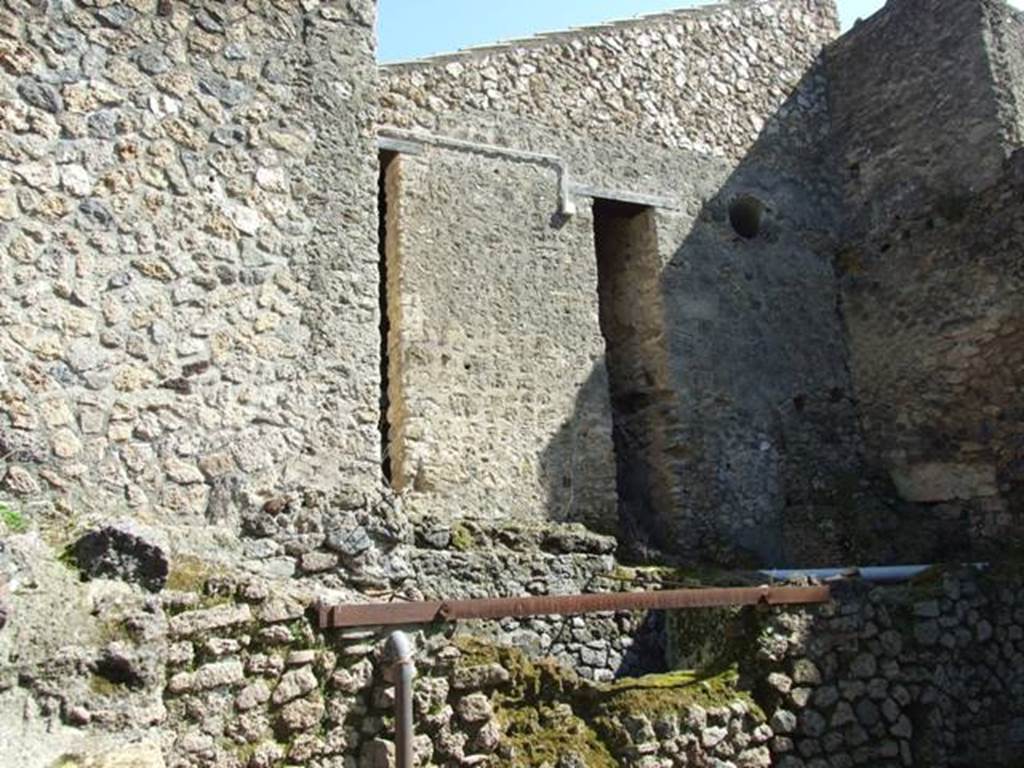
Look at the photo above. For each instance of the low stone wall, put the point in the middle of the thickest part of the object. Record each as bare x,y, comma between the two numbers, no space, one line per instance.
929,674
226,668
376,548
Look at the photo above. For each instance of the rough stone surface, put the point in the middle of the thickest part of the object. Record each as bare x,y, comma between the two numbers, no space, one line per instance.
124,551
688,402
709,287
164,302
930,277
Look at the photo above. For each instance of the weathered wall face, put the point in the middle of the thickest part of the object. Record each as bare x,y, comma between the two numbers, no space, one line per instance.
704,80
227,669
494,335
191,320
930,266
694,109
915,118
920,675
936,315
187,218
1005,38
759,365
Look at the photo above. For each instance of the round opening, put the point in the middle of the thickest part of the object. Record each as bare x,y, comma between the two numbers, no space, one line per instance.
745,215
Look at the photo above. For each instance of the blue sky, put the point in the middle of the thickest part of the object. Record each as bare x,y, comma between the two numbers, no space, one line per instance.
413,28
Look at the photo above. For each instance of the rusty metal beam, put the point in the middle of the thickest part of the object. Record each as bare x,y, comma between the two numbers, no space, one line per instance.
390,614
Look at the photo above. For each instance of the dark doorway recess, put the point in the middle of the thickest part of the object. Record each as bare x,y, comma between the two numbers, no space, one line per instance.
387,159
632,323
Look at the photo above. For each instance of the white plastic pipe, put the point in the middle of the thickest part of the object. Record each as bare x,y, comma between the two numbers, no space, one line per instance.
880,574
399,650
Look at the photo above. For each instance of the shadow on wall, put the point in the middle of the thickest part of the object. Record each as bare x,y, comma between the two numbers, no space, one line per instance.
735,428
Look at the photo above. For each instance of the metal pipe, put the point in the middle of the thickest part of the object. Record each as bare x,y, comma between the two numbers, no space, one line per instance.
399,650
411,142
566,205
879,574
394,614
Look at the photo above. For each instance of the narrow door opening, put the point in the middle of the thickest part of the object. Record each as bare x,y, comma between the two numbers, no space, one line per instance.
632,323
387,159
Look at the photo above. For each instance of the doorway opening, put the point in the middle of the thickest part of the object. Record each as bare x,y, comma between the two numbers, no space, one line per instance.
632,323
386,249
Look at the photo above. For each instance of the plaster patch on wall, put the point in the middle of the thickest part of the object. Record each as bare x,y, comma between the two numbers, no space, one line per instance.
937,481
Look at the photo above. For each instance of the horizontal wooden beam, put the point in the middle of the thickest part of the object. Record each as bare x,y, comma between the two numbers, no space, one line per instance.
399,613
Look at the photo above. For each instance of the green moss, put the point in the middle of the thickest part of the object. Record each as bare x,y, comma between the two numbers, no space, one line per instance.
928,584
114,630
536,708
672,576
623,573
462,538
704,639
189,574
850,261
303,636
101,686
13,519
546,710
66,761
68,560
952,206
541,734
1009,568
674,692
244,752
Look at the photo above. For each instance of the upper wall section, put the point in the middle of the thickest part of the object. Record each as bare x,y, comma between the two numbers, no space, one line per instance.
917,114
1006,45
187,253
730,399
494,338
925,102
708,80
936,321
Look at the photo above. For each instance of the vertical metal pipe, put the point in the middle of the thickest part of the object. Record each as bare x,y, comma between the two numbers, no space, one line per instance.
403,670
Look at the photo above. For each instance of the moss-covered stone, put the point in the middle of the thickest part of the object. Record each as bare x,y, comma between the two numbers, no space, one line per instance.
462,538
12,519
189,574
101,686
540,735
673,692
546,710
536,707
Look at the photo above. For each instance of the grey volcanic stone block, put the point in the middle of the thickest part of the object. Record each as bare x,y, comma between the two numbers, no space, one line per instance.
40,95
125,551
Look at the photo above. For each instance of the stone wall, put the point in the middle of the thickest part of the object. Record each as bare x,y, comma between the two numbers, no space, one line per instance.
707,80
930,265
927,674
224,668
754,430
915,113
1006,48
193,334
938,378
187,239
494,334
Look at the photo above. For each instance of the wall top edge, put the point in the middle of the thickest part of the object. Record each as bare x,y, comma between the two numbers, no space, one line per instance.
574,33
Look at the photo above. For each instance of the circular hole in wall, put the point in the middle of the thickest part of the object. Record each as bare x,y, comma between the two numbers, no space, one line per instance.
746,214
